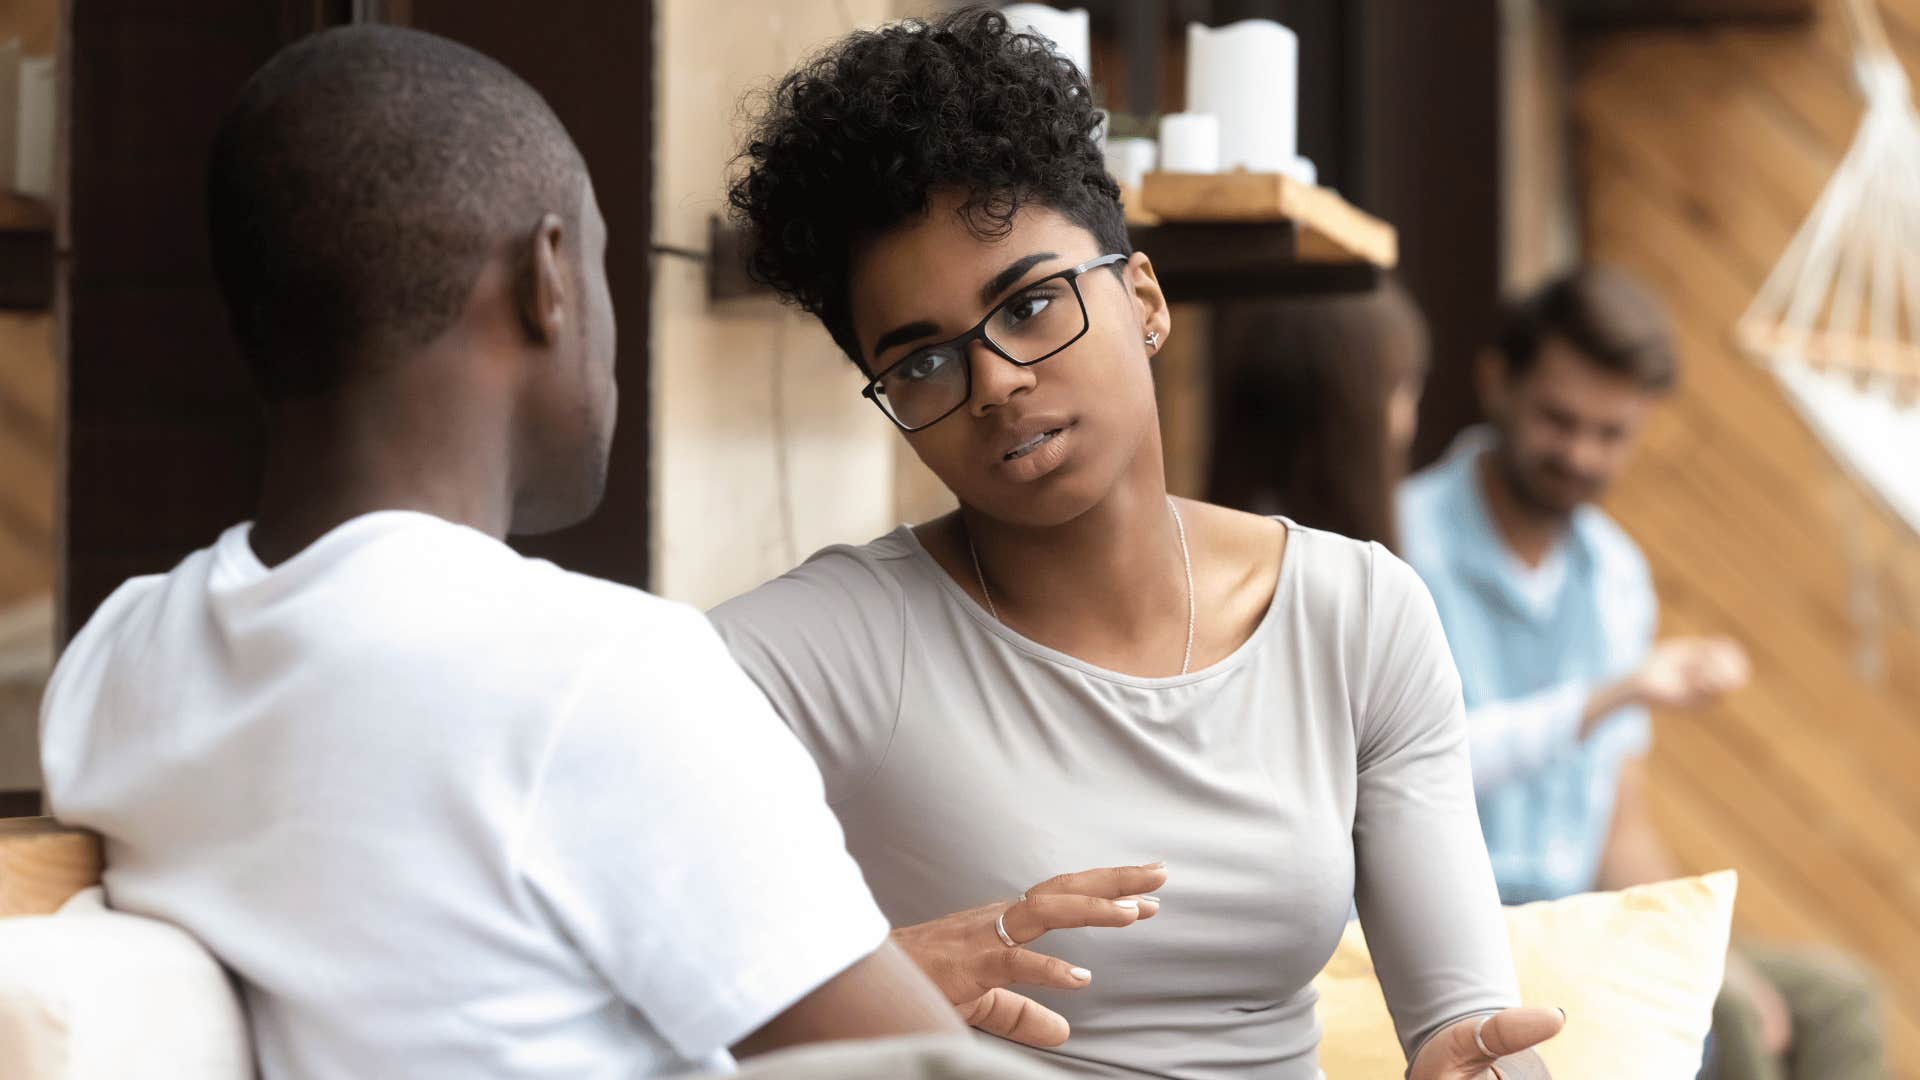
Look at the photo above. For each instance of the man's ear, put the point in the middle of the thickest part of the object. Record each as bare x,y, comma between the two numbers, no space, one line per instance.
543,282
1492,381
1149,303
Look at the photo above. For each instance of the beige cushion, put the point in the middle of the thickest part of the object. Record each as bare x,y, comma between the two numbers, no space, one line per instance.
93,994
1637,972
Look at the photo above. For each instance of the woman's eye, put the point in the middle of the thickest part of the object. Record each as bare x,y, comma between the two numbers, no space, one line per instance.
1026,307
923,366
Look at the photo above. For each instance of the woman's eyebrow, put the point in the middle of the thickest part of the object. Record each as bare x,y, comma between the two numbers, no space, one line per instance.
999,283
1014,272
900,335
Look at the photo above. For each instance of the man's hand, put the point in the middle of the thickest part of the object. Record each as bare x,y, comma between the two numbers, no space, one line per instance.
1497,1047
1686,673
967,960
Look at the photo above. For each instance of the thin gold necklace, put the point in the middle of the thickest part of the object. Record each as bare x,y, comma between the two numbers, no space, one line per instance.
1186,560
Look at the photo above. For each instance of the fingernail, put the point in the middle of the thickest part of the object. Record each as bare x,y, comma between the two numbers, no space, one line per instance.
1157,864
1126,903
1155,899
1563,1014
1080,973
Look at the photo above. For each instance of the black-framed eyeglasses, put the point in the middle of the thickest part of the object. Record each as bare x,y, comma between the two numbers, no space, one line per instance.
932,382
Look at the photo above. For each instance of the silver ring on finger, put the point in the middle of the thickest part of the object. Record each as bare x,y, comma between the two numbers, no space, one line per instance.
1000,927
1478,1041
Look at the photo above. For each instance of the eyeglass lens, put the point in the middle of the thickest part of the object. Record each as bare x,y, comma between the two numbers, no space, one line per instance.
1028,326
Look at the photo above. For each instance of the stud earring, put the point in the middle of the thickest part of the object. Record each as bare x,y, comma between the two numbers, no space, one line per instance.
1153,339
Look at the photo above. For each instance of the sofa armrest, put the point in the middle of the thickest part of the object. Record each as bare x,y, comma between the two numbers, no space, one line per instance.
43,863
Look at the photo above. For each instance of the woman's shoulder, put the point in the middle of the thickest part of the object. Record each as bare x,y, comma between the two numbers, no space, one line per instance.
834,582
1356,577
1334,583
1286,551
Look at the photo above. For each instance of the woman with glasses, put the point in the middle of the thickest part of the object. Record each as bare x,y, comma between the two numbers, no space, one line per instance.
1250,724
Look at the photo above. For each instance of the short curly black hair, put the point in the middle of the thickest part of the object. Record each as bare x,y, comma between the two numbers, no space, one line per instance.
853,141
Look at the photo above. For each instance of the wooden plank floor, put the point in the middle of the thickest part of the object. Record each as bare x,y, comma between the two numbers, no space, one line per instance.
1700,151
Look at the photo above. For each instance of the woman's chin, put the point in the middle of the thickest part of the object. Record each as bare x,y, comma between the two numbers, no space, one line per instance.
1044,505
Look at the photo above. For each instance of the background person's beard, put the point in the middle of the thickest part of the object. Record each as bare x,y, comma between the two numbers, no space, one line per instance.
1538,486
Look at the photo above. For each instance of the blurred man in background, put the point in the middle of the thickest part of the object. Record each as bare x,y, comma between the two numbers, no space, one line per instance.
1550,611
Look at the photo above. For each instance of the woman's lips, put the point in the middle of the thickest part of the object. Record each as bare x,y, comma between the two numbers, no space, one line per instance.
1030,445
1037,456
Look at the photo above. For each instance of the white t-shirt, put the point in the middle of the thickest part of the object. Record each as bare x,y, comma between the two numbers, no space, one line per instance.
450,812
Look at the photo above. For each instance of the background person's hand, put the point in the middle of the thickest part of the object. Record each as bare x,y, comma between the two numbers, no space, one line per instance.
1454,1054
1770,1009
963,954
1686,673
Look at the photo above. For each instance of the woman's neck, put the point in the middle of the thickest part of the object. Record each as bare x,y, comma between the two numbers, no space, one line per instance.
1109,586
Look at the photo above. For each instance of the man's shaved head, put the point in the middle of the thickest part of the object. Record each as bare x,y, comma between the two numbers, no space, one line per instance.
358,184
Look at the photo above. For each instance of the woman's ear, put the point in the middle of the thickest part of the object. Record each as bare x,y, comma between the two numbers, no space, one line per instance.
543,284
1149,303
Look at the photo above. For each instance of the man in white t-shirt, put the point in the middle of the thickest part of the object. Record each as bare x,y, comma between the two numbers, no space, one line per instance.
443,810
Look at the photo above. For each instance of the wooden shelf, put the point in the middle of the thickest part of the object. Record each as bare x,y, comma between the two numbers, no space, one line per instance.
21,214
1327,228
1200,263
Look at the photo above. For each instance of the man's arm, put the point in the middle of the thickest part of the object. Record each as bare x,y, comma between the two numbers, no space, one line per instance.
880,996
1510,739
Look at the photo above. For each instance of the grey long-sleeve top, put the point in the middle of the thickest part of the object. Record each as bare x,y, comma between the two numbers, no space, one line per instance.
1324,760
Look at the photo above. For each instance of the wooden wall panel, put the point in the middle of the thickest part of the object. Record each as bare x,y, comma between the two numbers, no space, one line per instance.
1430,163
594,65
1699,153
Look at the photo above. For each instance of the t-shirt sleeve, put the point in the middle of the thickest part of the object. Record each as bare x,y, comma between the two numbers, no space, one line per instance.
826,643
1423,882
679,836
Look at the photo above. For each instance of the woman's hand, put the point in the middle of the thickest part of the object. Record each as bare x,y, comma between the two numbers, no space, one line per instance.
1496,1047
965,957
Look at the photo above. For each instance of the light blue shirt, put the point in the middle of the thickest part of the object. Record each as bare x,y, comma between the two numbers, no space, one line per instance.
1529,658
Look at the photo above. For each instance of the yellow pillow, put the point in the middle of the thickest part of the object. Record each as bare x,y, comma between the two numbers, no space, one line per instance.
1636,970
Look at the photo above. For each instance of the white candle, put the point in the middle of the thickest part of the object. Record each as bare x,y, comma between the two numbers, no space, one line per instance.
1130,159
1067,30
1247,74
33,156
1190,143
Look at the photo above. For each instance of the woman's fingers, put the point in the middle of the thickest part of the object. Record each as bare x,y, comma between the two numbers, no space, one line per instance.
1470,1049
1006,1014
1110,882
1037,914
1029,968
1515,1030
